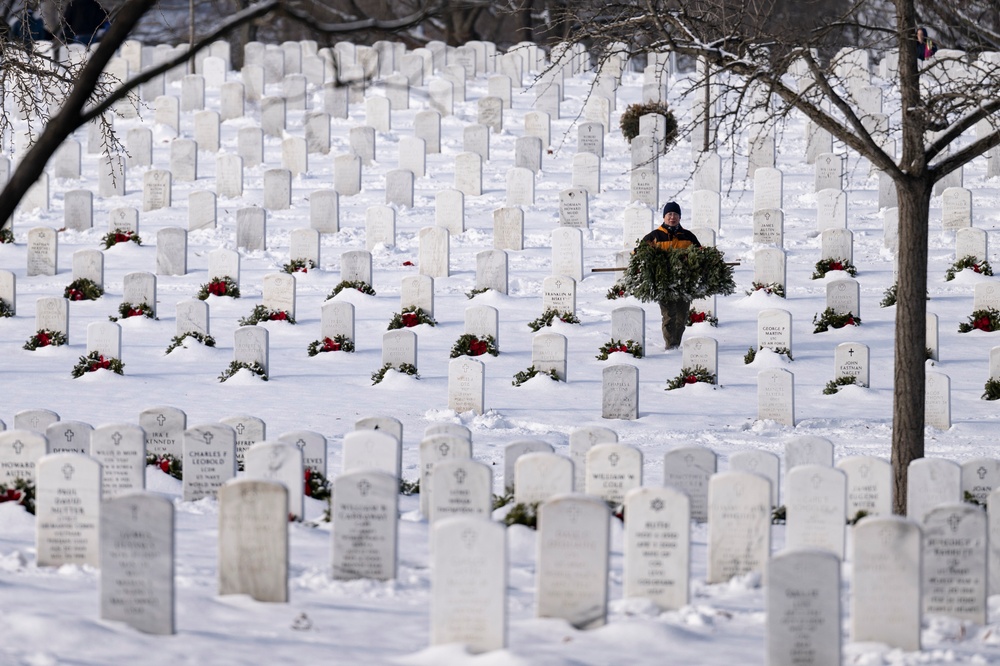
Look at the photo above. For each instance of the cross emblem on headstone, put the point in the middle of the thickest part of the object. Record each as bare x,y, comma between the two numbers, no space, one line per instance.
240,428
18,445
460,475
34,421
688,459
160,420
301,444
364,487
954,520
850,352
613,459
738,490
863,471
981,473
208,437
752,463
444,449
69,435
67,471
816,481
116,438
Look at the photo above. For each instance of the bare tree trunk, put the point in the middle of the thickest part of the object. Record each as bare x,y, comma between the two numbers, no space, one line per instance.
911,334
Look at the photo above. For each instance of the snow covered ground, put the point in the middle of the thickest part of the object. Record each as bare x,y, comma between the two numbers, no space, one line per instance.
50,616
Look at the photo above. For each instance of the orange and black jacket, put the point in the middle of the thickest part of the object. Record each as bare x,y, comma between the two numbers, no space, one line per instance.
671,238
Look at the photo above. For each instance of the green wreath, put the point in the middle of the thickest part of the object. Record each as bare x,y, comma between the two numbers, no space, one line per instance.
677,275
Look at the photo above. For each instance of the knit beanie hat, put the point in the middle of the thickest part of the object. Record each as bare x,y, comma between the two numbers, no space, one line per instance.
672,207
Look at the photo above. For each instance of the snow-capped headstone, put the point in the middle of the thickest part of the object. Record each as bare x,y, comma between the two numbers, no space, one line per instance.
229,176
209,460
251,229
364,535
539,476
250,146
36,420
763,463
469,583
435,449
739,525
869,485
572,569
803,609
433,251
768,189
886,584
42,251
202,210
121,450
520,187
689,469
844,296
955,562
460,487
937,400
78,209
808,450
776,396
620,392
67,510
930,482
831,209
253,539
979,477
466,385
815,507
249,430
956,208
613,470
164,427
273,116
347,175
851,359
700,352
657,546
69,437
769,227
586,173
371,449
829,172
281,462
137,562
469,174
111,176
769,266
837,244
548,353
278,292
508,228
567,252
417,291
515,450
105,338
207,131
171,251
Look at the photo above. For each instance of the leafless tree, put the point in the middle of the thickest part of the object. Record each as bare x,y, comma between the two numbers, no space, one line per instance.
54,95
769,58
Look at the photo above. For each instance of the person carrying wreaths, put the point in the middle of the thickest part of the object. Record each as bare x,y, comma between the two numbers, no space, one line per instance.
672,236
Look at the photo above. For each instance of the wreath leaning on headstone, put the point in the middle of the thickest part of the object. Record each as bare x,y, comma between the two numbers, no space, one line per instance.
677,275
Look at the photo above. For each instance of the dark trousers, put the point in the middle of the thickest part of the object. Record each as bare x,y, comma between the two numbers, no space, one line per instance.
675,319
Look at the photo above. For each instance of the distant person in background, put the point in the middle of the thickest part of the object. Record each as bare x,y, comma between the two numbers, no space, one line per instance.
926,47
